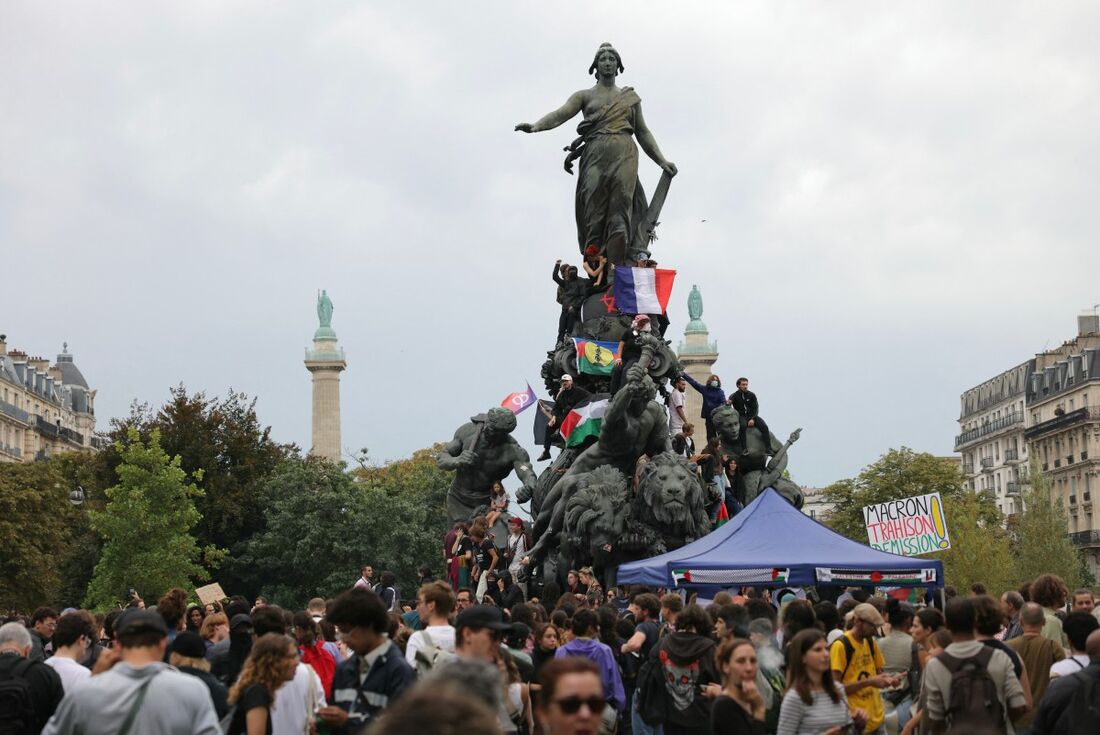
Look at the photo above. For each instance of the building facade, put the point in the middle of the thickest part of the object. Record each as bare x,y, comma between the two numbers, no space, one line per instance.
815,505
991,440
1063,431
44,409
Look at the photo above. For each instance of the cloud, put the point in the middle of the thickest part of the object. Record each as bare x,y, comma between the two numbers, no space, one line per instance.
898,202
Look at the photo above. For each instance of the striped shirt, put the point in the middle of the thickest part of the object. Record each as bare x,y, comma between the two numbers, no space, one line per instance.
798,718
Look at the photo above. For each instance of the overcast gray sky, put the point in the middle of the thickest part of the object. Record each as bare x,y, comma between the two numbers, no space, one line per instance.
900,200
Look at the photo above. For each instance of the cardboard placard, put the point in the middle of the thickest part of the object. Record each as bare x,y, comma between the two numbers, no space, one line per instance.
211,593
909,526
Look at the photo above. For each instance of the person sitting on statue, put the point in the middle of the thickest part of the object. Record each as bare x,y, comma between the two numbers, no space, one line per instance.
748,411
595,265
573,293
629,351
498,502
682,443
713,397
567,398
735,488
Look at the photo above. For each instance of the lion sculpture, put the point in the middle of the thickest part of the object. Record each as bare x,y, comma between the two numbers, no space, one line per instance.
671,499
596,516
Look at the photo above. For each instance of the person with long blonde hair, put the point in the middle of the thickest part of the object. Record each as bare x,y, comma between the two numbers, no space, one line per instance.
271,663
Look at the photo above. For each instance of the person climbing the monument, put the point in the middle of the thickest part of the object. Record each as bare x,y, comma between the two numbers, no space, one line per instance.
573,293
565,401
610,203
713,397
595,265
748,410
629,350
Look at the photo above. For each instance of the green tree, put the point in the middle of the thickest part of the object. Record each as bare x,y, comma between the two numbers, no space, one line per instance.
147,543
35,527
1042,545
980,549
224,439
899,473
322,524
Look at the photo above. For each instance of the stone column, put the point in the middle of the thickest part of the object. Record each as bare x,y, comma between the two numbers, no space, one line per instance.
325,362
697,356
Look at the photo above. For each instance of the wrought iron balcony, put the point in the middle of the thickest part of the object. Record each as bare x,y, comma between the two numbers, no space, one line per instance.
11,451
45,427
968,468
987,463
1012,455
1085,538
1081,415
1007,421
1012,488
16,413
72,436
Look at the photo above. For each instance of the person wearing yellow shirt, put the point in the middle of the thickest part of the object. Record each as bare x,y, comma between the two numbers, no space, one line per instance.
857,663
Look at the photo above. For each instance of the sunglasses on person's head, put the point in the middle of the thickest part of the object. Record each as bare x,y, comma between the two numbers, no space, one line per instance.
572,705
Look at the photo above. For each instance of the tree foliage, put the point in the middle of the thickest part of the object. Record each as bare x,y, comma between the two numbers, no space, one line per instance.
900,473
224,439
146,526
1041,543
35,527
980,549
322,525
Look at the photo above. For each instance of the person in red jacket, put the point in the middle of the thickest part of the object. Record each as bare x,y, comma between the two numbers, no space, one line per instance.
311,647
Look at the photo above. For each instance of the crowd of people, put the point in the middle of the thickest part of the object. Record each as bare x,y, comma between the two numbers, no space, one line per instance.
579,660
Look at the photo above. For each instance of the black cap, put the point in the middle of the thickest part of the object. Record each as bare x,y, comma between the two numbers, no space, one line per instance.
189,644
482,616
140,621
240,619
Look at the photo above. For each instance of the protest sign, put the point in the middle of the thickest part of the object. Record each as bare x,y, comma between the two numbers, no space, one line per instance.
210,594
909,526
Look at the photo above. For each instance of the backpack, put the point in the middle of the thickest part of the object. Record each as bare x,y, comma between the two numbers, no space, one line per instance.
974,701
1082,715
429,655
17,714
850,650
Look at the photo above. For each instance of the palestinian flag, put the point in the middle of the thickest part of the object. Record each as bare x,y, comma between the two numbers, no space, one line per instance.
780,575
681,575
584,420
595,358
723,515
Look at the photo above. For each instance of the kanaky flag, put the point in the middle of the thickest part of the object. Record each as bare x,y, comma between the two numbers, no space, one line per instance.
643,290
584,420
595,357
517,402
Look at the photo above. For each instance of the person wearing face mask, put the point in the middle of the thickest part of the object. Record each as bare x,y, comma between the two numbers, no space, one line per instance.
713,397
630,351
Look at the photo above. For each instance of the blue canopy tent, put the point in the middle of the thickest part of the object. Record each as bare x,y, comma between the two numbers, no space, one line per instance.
773,544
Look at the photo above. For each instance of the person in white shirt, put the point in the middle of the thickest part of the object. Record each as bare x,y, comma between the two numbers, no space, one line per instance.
74,633
365,582
516,549
434,602
1078,626
676,416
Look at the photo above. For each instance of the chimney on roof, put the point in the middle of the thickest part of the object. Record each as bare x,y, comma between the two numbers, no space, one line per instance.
1088,322
3,344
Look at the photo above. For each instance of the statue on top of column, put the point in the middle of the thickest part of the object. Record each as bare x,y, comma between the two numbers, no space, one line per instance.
611,208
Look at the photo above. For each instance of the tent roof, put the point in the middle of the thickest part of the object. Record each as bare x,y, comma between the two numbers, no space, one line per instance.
773,544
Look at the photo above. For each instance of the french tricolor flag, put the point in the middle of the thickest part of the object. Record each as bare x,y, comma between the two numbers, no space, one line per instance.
643,290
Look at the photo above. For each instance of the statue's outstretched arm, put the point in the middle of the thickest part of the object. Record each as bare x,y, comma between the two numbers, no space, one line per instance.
553,119
649,143
778,463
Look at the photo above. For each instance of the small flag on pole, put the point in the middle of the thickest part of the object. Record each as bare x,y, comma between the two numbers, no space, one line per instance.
517,402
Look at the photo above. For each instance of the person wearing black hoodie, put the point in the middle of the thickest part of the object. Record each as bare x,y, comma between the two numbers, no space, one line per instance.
226,666
686,661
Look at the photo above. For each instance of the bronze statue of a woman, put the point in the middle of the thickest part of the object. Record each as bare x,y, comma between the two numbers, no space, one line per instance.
610,203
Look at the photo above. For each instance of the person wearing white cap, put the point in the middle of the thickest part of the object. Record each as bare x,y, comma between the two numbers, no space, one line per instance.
567,398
